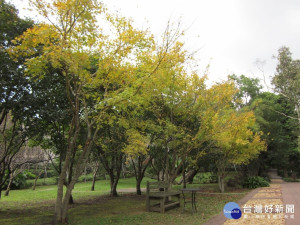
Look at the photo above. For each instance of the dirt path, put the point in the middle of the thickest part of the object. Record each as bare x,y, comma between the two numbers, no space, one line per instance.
291,195
221,219
278,204
265,207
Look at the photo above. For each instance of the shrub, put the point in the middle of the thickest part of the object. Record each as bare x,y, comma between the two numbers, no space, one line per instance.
18,182
290,179
235,180
28,174
213,179
266,177
234,183
204,178
255,182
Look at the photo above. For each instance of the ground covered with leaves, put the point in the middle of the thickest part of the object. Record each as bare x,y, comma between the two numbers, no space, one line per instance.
89,208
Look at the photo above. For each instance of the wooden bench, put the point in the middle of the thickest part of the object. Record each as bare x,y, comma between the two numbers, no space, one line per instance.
159,191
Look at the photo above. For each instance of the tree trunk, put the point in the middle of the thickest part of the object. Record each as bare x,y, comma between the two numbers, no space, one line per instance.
113,189
183,177
221,183
94,178
190,176
46,175
65,203
123,171
113,183
139,170
138,187
68,194
9,185
94,181
71,200
35,180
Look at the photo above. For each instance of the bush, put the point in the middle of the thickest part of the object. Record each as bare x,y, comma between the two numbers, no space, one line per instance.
255,182
204,178
213,179
266,177
28,174
290,179
18,182
50,173
234,180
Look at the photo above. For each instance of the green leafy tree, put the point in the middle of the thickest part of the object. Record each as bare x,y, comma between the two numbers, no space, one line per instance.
14,90
287,78
279,132
248,88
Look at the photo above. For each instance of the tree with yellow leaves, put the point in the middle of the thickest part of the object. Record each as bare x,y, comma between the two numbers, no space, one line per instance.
102,66
229,132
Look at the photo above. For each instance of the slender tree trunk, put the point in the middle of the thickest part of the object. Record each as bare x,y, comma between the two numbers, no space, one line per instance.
183,177
35,180
1,182
65,203
113,191
46,175
71,200
123,170
9,185
78,171
221,183
138,187
95,176
59,199
113,185
139,171
158,176
93,183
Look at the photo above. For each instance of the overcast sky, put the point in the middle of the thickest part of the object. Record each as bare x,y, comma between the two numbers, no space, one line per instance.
229,34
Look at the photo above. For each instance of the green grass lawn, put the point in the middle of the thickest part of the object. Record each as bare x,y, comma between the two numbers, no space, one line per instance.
96,207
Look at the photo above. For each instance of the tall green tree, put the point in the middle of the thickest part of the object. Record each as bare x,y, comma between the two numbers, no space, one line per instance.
287,78
248,88
279,132
14,90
